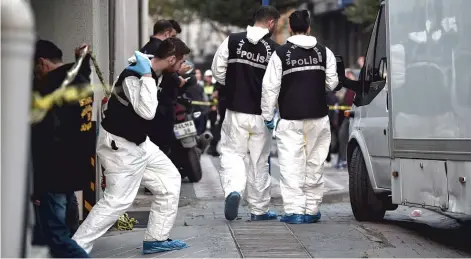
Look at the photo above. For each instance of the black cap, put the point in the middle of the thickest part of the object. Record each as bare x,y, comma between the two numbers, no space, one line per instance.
47,50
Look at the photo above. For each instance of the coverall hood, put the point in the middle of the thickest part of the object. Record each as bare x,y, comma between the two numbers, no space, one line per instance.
255,34
303,41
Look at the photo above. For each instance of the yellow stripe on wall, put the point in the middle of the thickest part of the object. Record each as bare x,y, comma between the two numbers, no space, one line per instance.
87,206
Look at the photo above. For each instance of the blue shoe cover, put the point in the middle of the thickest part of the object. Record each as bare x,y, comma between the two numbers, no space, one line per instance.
312,218
231,209
152,247
267,216
293,219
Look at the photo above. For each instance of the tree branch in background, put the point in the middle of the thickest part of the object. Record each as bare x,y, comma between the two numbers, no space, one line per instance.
222,31
221,15
232,13
221,12
163,8
363,12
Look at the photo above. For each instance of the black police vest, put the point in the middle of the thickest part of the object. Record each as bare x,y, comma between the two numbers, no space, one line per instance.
120,119
302,94
245,69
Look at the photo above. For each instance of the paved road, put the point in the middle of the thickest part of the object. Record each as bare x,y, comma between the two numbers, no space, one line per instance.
201,223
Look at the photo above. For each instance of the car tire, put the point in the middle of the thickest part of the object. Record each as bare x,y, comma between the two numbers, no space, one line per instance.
366,205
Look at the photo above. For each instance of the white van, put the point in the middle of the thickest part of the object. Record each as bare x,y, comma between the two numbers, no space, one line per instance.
410,126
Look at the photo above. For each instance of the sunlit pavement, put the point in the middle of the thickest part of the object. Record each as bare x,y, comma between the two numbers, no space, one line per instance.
202,225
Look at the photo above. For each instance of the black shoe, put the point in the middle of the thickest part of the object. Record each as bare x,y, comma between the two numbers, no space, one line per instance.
213,151
231,207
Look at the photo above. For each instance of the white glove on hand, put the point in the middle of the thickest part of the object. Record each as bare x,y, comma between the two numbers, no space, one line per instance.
142,66
133,58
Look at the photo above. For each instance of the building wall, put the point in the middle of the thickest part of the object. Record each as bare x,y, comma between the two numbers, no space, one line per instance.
341,36
333,29
127,32
67,29
87,23
323,6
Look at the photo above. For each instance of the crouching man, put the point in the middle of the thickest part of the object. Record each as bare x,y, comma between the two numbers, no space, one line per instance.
131,158
297,76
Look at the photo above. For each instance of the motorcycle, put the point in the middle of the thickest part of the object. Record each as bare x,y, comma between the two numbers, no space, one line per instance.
188,145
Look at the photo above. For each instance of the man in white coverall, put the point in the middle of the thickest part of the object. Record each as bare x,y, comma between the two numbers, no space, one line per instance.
239,65
130,157
296,78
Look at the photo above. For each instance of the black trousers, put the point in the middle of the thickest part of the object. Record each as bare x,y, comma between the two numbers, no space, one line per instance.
162,130
217,129
213,117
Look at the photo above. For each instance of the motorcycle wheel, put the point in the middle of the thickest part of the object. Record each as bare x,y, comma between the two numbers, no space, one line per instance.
193,170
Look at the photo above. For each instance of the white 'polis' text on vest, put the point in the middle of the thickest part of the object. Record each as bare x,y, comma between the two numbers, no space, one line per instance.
256,57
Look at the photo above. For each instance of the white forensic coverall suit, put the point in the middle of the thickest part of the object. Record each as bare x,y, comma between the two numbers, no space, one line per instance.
303,145
127,167
244,135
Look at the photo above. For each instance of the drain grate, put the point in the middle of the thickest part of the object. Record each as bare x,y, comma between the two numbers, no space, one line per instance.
270,239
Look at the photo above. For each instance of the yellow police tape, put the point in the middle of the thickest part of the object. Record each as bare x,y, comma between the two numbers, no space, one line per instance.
339,107
331,107
125,222
68,93
41,105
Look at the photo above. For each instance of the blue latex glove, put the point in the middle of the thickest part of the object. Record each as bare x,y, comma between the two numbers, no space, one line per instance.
270,124
142,66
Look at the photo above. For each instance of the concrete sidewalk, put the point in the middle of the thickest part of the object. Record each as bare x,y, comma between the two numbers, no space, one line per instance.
203,227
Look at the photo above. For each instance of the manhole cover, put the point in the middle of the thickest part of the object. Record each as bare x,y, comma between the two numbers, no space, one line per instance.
270,239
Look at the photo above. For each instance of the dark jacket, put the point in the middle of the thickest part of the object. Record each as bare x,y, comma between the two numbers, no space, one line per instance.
194,91
161,129
151,46
221,91
161,126
63,143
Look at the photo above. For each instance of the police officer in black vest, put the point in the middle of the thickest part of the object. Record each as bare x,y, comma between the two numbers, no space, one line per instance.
130,157
296,78
239,65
